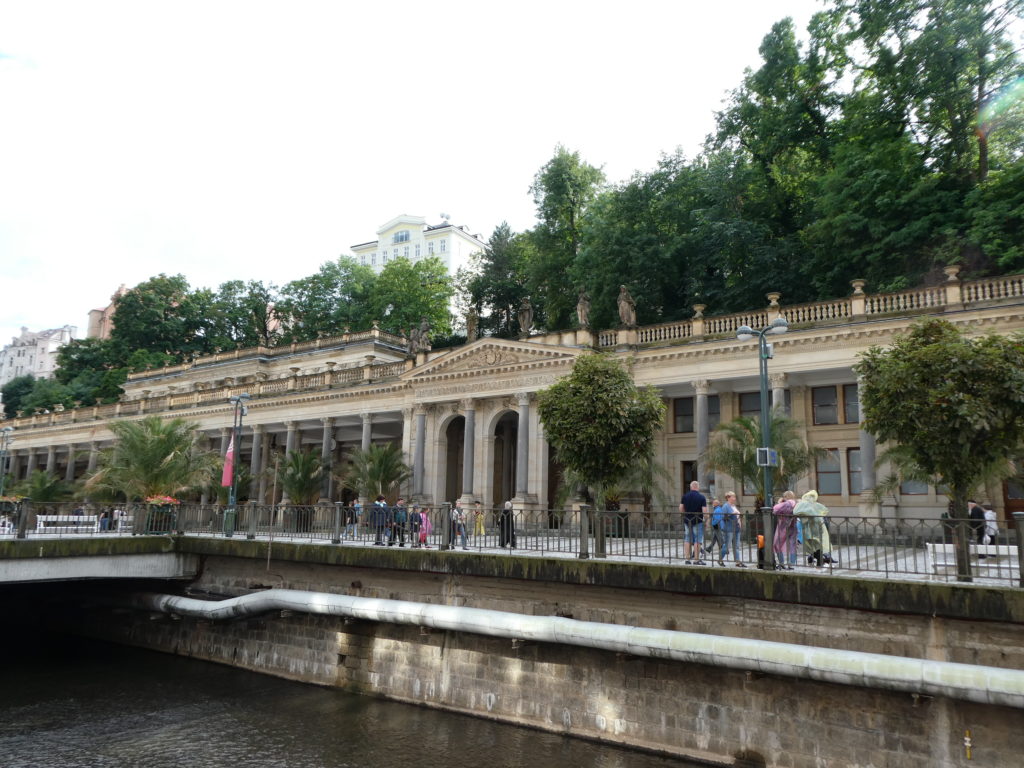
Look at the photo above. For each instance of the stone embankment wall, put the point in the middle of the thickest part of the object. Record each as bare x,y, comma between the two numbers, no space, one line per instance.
725,717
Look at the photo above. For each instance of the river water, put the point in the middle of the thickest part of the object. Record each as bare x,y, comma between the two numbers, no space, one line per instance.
72,703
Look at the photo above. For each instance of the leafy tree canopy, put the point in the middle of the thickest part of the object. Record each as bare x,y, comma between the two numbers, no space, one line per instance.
601,424
954,404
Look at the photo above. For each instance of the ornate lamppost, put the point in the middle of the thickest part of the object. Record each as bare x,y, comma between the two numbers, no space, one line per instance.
766,457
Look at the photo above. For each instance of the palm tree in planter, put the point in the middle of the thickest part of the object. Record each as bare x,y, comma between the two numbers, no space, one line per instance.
42,486
379,469
733,450
152,457
301,476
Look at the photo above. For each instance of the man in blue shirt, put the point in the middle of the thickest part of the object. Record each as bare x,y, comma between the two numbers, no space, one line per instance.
694,509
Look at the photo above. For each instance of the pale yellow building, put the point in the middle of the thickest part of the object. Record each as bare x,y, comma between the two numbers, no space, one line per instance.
466,417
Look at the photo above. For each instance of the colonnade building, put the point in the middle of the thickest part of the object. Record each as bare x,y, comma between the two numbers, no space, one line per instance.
466,417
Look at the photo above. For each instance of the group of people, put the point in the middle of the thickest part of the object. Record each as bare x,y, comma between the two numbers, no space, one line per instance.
392,525
797,523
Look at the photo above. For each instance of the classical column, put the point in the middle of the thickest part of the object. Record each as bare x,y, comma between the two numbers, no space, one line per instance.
367,429
51,459
225,436
261,494
94,456
523,446
32,459
14,467
326,438
778,382
289,448
419,452
289,443
702,388
468,448
868,504
69,472
256,461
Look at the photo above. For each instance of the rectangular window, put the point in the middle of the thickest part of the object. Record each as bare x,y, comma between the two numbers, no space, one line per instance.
913,488
444,246
714,411
373,259
417,250
851,405
830,481
394,253
383,257
750,405
430,248
682,408
853,471
405,251
826,408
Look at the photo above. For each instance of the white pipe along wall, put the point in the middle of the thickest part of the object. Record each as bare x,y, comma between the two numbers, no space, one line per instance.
985,685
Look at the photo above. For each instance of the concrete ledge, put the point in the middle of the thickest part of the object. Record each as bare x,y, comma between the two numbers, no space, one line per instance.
954,601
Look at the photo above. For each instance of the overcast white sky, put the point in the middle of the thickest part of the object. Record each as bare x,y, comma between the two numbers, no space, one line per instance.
257,140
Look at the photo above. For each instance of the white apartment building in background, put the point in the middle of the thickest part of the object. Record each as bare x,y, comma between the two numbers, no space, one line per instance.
33,352
412,238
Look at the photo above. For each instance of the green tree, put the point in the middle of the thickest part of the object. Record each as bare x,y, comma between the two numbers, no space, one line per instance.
498,283
164,316
405,292
14,393
46,394
152,457
94,369
562,191
42,486
242,315
733,450
380,469
301,477
327,302
600,423
955,404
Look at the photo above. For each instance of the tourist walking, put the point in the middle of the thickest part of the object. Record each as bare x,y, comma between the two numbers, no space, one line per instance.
380,519
731,530
458,527
717,534
694,509
817,544
507,526
784,543
426,527
399,520
478,521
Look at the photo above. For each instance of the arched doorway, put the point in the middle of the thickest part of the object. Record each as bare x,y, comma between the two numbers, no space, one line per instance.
455,438
503,478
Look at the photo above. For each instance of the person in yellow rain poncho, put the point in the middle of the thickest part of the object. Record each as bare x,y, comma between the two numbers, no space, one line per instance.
812,514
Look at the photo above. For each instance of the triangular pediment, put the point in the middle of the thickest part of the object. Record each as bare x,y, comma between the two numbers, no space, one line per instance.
486,356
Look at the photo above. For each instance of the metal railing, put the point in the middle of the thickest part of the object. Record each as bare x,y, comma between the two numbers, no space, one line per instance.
884,548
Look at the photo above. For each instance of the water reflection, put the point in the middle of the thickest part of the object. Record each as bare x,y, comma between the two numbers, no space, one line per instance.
68,703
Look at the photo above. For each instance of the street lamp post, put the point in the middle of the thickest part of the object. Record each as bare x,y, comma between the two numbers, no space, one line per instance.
238,401
6,437
766,457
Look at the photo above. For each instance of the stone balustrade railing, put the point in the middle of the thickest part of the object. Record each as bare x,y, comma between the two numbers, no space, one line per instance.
326,342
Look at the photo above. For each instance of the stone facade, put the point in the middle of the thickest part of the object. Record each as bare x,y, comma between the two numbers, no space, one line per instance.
466,417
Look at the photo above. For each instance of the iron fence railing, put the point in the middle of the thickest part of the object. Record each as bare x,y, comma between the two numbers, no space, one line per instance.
903,548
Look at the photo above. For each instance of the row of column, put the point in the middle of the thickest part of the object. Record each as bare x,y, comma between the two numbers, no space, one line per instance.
32,455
